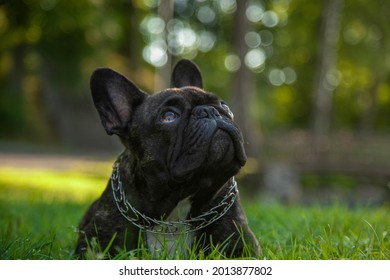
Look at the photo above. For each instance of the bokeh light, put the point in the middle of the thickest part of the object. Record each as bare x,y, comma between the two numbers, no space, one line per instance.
254,12
206,15
232,62
270,19
156,53
206,41
278,77
252,39
255,59
227,6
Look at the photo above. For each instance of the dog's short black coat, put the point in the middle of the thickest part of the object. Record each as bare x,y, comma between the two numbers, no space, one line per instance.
180,143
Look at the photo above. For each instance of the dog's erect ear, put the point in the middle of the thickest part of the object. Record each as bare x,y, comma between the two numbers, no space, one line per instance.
115,98
186,73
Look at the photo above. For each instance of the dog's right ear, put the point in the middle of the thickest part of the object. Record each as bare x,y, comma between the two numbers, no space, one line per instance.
115,98
186,73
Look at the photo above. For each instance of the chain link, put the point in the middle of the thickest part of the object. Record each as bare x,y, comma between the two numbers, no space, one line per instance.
149,224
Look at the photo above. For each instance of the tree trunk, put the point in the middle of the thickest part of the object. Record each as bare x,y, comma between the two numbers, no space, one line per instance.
163,73
243,98
323,91
243,94
134,46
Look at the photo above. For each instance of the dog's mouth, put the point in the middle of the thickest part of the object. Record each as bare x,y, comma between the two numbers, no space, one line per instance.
227,144
211,145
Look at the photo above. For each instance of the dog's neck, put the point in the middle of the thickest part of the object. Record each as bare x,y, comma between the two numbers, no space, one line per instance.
145,193
170,216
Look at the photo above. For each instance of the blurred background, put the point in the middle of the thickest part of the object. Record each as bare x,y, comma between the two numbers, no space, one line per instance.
308,82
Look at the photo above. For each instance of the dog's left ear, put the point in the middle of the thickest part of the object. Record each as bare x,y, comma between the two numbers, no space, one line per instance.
115,99
186,73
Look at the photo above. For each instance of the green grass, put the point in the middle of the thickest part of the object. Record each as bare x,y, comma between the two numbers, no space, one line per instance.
40,209
332,232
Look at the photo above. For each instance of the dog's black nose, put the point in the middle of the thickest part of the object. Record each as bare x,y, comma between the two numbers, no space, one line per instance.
204,111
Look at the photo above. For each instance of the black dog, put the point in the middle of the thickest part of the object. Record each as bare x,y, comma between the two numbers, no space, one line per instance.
181,145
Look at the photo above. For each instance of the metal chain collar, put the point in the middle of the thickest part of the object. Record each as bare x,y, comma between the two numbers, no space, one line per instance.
149,224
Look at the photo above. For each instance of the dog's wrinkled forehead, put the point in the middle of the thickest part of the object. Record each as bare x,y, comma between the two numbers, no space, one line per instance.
196,96
184,98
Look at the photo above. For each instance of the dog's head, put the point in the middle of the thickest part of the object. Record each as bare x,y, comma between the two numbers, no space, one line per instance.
181,135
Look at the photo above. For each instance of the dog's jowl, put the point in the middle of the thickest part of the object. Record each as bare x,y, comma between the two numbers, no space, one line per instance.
175,177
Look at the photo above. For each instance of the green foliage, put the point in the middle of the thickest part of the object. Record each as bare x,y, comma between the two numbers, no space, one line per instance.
49,48
39,220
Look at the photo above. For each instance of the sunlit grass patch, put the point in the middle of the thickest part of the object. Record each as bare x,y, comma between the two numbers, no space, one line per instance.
40,209
48,185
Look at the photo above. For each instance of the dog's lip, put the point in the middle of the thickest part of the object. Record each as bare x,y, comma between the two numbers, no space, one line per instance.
220,124
236,138
183,176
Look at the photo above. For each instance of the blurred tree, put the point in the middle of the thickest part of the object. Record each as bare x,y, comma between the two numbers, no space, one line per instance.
327,59
244,87
163,74
49,48
364,67
12,51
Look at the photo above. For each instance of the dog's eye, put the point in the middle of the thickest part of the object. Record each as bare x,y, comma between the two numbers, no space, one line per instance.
169,117
227,109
